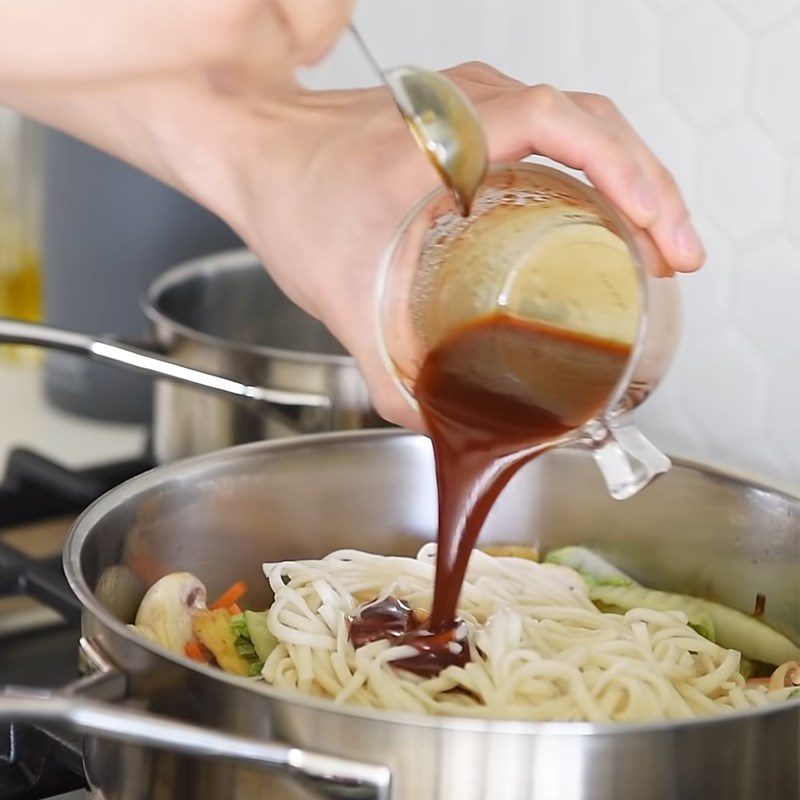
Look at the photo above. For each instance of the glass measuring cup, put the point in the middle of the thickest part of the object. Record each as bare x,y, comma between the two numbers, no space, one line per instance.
543,248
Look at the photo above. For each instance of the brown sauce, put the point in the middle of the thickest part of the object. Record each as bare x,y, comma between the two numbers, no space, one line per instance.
394,620
489,394
389,618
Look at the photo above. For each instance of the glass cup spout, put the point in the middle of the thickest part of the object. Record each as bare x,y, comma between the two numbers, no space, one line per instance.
627,460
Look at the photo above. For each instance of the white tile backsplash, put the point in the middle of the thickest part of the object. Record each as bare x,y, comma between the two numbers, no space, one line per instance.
755,15
766,294
783,411
704,63
623,56
793,208
707,294
522,41
742,180
723,387
775,86
714,86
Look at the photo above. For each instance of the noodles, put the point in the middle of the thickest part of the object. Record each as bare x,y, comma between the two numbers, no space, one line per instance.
540,649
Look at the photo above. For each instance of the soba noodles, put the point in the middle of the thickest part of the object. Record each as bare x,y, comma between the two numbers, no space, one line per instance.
540,649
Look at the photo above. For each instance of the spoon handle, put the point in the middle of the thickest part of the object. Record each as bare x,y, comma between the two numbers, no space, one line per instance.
368,54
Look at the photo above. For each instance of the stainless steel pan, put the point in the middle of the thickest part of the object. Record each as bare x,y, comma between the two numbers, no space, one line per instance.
221,325
222,515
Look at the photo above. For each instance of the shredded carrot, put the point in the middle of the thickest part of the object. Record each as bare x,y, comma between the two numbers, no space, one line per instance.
194,651
230,596
234,609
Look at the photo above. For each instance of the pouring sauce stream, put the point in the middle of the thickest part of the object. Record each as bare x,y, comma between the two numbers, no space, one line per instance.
490,394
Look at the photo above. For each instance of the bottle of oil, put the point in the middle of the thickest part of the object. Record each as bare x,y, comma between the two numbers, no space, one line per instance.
20,223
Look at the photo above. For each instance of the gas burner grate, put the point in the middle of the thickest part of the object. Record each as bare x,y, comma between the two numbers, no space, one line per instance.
36,763
36,488
38,646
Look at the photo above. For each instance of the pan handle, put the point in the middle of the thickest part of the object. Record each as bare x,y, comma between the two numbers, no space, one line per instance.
334,777
106,350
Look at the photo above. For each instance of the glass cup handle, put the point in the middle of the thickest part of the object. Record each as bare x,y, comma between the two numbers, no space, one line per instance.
626,459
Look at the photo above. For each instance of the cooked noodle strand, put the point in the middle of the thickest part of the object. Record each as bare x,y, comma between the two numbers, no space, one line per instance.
540,648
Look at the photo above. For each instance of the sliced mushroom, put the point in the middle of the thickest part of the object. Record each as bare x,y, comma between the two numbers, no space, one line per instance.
785,676
168,609
146,631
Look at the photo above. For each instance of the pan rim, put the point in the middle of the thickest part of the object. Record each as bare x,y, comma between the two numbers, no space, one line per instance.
98,509
225,261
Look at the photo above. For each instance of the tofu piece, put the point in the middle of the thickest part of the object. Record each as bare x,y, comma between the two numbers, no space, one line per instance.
213,630
511,551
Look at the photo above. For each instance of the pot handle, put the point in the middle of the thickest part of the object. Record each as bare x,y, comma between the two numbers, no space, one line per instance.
333,776
108,351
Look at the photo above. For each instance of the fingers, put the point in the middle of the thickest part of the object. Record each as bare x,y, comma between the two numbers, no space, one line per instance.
477,72
385,396
253,45
315,25
671,229
587,132
390,404
543,120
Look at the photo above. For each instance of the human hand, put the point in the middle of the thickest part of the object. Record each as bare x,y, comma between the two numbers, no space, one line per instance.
240,45
333,175
145,81
316,182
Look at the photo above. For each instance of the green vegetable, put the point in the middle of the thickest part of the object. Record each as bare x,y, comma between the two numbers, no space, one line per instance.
244,647
594,569
699,621
794,694
255,669
729,628
263,641
704,625
239,625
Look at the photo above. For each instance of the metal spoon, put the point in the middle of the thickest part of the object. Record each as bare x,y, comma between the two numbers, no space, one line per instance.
444,123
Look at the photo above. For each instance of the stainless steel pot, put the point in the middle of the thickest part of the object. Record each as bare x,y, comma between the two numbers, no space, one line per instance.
222,325
220,516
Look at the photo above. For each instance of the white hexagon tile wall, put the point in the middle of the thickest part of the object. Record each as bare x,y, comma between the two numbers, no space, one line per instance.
714,87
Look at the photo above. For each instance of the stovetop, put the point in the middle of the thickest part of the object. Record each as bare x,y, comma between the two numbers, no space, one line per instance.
39,615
